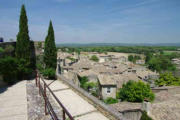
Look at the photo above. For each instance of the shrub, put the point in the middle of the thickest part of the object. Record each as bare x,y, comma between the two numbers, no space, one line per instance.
8,69
49,73
40,67
82,81
110,100
9,48
94,58
24,69
145,116
167,79
136,92
1,50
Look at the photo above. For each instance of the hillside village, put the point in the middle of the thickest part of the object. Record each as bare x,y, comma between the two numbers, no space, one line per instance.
111,71
121,60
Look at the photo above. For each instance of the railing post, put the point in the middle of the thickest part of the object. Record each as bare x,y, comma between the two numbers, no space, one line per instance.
36,78
39,86
45,101
64,115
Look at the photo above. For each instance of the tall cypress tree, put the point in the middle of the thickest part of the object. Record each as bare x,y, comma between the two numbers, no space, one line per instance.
50,52
23,41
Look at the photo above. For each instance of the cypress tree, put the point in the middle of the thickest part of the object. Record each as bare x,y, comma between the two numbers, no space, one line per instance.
23,41
50,52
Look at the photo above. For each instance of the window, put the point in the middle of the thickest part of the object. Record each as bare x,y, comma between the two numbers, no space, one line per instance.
108,90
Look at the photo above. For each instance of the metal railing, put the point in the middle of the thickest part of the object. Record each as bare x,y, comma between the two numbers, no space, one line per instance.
48,107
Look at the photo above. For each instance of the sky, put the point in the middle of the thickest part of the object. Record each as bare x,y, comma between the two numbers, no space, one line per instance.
95,21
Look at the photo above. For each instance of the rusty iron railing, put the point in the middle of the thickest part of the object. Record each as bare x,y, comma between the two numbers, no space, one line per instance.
48,107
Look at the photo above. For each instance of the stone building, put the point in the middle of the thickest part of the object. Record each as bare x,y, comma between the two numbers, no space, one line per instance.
107,87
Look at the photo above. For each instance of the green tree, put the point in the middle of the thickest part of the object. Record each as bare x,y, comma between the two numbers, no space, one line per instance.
23,40
130,58
50,52
167,79
136,92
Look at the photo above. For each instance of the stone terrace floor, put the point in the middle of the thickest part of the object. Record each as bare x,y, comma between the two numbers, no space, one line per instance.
13,102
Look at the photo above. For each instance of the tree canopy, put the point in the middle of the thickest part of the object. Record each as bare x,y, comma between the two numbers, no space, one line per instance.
23,39
136,92
50,52
167,79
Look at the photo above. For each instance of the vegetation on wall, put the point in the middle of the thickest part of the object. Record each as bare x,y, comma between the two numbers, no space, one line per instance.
110,100
145,116
88,86
136,92
167,79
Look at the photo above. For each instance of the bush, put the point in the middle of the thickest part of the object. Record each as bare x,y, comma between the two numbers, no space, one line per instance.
145,116
82,81
110,100
40,67
24,69
1,50
13,69
8,69
136,92
49,73
9,48
94,58
167,79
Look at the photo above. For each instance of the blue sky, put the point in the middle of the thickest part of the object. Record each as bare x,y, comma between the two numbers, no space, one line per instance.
95,21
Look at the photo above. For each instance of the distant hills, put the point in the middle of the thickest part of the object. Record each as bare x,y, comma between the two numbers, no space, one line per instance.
114,44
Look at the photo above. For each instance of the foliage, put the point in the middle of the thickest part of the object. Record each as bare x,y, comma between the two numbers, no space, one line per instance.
40,67
83,80
50,52
39,45
8,69
49,73
23,69
110,100
136,92
23,41
94,58
145,116
1,50
133,58
9,48
167,79
88,85
72,59
13,69
160,63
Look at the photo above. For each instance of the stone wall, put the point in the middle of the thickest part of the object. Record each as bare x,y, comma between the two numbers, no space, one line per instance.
132,114
108,111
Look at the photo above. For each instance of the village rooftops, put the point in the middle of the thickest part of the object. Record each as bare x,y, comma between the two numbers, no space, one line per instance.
125,106
106,80
87,73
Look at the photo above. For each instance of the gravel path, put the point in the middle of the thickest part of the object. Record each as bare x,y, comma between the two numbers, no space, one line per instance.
36,103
